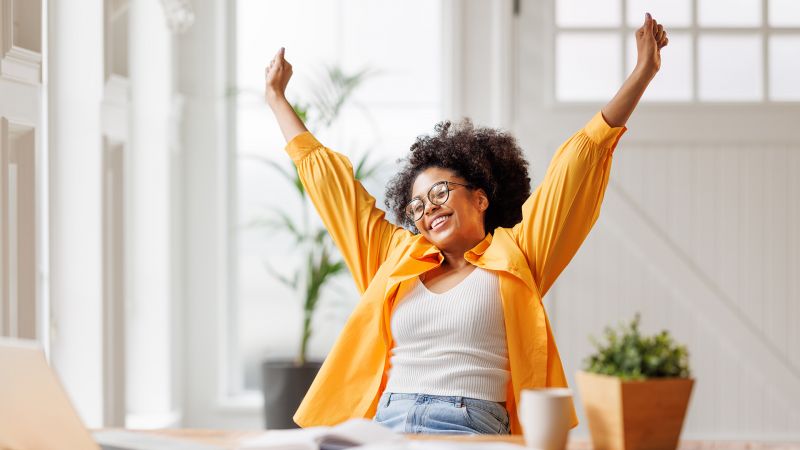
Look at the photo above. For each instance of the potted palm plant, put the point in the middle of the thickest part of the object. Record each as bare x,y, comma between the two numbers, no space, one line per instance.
635,390
285,382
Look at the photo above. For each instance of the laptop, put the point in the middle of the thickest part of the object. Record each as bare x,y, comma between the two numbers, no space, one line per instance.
35,412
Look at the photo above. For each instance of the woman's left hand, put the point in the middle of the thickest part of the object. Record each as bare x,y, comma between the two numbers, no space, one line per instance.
650,38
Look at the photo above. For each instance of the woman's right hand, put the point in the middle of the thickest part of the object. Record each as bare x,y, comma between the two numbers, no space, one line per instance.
278,74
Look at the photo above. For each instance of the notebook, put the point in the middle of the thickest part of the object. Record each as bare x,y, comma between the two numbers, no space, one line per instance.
352,433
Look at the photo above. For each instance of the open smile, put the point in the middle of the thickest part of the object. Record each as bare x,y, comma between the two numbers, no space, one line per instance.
439,222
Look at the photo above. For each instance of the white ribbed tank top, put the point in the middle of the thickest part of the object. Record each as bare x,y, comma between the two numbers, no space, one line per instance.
452,343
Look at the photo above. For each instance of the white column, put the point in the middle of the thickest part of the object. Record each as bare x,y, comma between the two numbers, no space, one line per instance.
75,91
479,47
202,80
149,282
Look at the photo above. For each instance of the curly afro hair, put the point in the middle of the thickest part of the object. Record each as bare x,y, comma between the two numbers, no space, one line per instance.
487,158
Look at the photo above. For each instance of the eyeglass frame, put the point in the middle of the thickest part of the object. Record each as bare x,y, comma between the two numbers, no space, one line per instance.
447,184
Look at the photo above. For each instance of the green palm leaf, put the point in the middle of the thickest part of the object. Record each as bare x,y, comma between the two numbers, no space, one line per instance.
278,221
363,171
289,174
288,282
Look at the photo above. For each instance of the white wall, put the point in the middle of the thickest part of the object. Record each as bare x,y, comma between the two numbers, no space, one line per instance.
696,233
699,238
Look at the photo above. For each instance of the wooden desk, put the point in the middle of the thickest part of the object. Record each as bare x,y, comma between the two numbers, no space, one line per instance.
228,439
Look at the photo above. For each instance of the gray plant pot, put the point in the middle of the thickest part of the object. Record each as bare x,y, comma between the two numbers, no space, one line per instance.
284,385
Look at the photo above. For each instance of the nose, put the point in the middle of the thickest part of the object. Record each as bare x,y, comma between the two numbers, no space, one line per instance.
429,206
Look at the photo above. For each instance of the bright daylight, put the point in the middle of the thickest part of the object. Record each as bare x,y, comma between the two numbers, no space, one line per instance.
386,225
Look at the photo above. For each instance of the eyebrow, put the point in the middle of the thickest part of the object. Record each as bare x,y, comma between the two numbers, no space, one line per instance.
422,195
429,188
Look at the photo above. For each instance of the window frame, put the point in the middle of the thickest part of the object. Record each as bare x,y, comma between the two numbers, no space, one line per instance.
694,31
233,395
666,122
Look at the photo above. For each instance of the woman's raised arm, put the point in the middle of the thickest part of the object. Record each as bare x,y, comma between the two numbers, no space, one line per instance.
277,77
650,39
357,227
559,214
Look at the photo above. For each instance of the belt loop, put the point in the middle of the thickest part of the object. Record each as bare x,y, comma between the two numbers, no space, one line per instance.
388,399
459,402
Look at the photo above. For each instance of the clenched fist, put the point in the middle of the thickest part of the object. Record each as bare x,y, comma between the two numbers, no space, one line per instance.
277,75
650,39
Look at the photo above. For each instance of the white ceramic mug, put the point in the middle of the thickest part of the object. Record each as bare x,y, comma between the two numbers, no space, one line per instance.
545,415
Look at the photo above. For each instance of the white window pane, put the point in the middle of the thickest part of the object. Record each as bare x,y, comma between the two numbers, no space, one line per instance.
402,61
784,13
674,80
588,66
385,114
671,13
730,68
784,68
729,13
588,13
265,26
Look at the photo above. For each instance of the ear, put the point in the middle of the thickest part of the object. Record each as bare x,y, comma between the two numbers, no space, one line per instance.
482,200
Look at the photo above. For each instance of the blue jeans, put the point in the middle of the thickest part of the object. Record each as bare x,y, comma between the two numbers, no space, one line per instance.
438,414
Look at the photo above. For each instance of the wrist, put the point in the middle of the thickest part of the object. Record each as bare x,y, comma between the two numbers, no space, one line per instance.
644,71
275,98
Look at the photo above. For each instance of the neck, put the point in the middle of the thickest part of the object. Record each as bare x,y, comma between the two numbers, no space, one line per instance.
454,257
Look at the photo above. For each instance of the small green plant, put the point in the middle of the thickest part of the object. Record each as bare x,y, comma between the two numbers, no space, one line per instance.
631,356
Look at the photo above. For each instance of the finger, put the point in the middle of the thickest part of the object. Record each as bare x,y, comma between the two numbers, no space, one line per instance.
648,20
280,54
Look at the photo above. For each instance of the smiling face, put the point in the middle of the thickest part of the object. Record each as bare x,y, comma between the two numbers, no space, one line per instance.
456,224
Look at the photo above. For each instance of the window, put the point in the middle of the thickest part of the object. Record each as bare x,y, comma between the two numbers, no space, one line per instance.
399,101
719,50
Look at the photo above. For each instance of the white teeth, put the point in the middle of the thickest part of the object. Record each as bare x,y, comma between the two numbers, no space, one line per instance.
438,220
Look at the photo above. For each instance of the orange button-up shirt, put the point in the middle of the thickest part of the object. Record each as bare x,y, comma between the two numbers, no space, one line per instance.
384,258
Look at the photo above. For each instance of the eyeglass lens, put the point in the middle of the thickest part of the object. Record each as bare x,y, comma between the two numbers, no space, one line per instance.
437,195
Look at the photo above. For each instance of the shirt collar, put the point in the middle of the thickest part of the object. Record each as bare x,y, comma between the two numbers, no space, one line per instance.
423,249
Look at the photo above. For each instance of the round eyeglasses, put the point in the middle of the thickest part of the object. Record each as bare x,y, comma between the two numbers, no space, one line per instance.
437,194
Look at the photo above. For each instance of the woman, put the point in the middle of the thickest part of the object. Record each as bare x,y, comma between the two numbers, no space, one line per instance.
450,326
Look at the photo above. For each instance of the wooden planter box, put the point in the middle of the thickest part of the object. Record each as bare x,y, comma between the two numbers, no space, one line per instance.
633,415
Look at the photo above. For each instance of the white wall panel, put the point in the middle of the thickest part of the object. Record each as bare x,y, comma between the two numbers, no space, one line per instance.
21,311
728,211
698,232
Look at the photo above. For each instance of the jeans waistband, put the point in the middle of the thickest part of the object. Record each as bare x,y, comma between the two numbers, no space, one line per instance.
387,397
